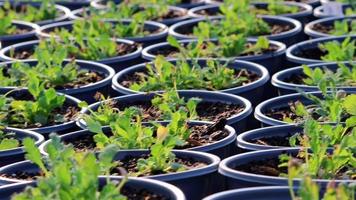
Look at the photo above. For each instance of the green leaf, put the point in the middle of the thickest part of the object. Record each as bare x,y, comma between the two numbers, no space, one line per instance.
350,104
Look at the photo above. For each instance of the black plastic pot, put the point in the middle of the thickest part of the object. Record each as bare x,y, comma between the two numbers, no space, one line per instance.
101,4
304,16
292,36
240,179
78,14
272,61
87,92
246,139
117,63
46,130
65,12
9,156
284,87
237,121
296,53
7,40
319,11
252,91
280,102
220,148
74,4
313,3
159,35
157,187
329,22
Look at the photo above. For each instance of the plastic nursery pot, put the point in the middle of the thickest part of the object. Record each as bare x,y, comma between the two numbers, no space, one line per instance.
278,135
86,92
20,94
319,11
28,32
183,30
221,148
279,103
240,179
237,121
168,191
308,52
272,61
280,79
63,12
17,154
304,14
313,3
117,63
159,31
251,91
254,193
78,14
73,4
312,29
192,4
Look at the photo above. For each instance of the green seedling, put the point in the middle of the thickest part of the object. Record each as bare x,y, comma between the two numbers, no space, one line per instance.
70,175
344,27
8,140
336,51
6,26
163,75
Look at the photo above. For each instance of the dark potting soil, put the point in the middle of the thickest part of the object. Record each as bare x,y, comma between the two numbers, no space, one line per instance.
207,111
69,113
296,79
269,167
310,53
141,194
200,135
22,175
172,52
129,164
121,50
280,141
171,14
282,113
327,29
250,76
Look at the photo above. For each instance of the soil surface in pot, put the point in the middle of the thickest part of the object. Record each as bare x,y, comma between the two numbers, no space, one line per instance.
172,52
270,167
207,111
19,31
84,78
129,192
121,50
129,164
274,29
327,29
200,135
310,53
69,113
250,77
281,141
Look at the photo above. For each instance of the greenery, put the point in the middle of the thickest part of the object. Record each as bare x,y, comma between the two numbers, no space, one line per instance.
344,27
8,140
30,13
6,26
336,51
28,113
71,175
163,75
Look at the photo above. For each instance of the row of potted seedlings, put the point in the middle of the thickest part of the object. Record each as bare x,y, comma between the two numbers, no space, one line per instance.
173,116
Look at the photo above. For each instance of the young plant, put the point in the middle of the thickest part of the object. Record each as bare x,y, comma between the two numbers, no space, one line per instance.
70,175
8,140
49,69
310,190
244,22
32,113
166,104
225,47
275,7
344,76
6,26
336,51
45,11
344,27
163,75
